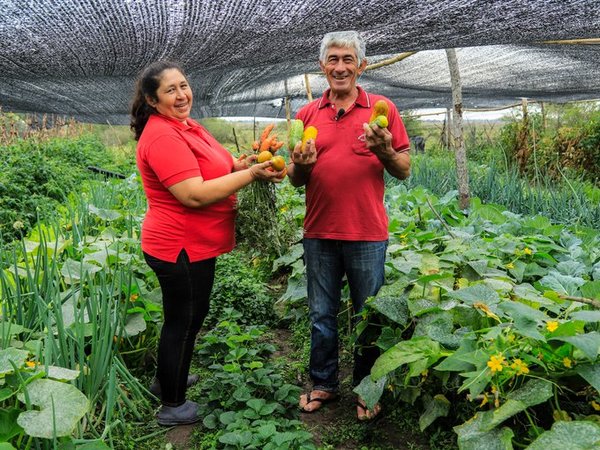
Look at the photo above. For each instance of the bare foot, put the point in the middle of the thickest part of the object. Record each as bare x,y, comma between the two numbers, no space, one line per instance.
315,399
362,413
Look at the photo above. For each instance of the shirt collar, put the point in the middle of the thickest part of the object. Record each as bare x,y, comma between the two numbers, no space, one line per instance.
191,123
362,100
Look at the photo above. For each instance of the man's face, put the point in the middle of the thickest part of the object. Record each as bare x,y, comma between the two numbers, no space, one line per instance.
342,69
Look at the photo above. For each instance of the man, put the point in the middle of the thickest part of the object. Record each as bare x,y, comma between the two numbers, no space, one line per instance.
346,226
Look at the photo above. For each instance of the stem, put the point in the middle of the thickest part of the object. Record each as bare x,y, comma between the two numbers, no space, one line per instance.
589,301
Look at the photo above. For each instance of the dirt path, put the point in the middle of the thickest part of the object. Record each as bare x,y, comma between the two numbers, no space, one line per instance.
335,424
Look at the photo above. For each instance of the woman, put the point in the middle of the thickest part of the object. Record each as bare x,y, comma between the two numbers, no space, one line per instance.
190,182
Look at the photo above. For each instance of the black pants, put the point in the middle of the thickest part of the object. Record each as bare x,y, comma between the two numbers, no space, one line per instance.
186,291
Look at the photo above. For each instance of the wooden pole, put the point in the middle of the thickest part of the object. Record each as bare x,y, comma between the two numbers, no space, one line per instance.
460,153
308,91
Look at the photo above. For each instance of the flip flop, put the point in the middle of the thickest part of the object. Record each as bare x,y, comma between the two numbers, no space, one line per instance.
375,412
320,401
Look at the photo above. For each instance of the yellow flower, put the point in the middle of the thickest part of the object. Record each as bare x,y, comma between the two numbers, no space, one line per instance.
495,363
527,251
511,338
595,405
134,297
29,363
402,236
567,362
510,266
552,326
520,367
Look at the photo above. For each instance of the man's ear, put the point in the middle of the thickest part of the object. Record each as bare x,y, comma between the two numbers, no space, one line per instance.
362,67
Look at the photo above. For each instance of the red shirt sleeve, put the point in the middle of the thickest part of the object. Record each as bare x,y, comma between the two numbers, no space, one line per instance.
172,160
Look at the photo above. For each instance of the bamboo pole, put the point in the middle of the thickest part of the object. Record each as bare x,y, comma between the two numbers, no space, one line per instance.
308,91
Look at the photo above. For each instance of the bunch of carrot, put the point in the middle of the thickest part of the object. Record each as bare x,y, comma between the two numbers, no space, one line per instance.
267,141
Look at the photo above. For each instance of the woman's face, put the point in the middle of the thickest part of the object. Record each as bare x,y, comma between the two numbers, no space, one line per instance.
174,96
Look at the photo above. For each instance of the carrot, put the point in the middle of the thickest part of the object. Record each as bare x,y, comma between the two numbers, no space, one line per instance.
276,146
255,145
266,132
266,143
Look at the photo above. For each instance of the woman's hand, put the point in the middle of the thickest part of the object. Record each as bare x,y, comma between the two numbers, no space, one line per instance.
264,172
243,162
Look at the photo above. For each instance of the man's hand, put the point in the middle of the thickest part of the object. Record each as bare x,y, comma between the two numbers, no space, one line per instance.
302,163
379,141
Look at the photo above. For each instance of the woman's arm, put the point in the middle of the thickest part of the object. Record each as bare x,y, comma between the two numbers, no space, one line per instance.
196,192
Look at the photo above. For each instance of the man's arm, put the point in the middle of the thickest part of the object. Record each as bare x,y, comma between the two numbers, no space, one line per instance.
379,141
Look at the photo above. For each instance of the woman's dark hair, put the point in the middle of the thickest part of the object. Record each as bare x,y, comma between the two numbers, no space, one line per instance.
147,85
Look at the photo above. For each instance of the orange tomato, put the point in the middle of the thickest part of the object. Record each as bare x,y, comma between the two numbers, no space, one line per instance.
264,156
278,163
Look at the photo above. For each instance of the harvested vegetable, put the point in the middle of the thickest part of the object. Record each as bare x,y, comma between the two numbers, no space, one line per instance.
309,133
381,108
295,134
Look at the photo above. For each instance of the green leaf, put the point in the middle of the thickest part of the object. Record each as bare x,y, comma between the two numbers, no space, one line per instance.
466,358
135,325
526,318
73,271
15,355
293,254
590,373
61,407
576,435
436,407
490,212
9,329
588,343
472,437
533,393
242,393
586,315
406,352
406,262
61,374
591,289
370,391
238,439
267,430
563,284
438,326
210,422
6,446
476,381
8,423
478,293
97,445
391,302
104,214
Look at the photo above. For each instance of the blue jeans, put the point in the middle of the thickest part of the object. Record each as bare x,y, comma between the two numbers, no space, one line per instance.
326,262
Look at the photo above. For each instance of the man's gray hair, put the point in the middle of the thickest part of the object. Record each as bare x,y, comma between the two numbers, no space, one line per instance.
345,39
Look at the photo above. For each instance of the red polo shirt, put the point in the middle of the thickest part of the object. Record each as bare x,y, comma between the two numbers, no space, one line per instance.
168,152
344,194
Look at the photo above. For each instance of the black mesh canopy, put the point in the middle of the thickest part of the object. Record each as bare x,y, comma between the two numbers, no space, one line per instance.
80,57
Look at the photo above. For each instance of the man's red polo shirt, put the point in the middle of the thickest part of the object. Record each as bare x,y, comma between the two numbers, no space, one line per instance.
344,194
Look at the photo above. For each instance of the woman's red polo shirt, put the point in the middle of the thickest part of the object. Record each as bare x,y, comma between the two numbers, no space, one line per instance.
168,152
